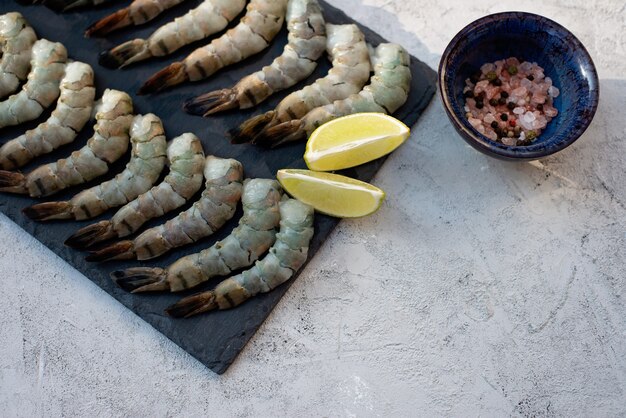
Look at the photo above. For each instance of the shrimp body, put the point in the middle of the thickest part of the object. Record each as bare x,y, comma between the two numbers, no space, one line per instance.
283,260
16,39
108,144
253,236
387,91
41,89
306,42
70,116
146,163
186,160
137,13
350,71
257,29
210,17
217,205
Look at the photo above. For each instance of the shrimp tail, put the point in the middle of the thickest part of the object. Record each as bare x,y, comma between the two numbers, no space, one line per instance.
91,234
125,54
12,182
248,130
123,250
108,24
171,75
141,279
280,134
193,305
48,211
213,102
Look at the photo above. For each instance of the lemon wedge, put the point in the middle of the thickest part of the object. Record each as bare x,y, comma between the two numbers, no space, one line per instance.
353,140
332,194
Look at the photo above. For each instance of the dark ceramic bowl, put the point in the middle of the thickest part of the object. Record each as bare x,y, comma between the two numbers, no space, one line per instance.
528,37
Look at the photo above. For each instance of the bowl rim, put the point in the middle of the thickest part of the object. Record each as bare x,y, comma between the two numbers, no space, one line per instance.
486,145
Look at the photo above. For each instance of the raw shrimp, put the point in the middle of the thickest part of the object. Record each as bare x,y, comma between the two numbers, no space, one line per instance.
145,165
70,116
186,160
210,17
65,5
283,260
108,144
387,91
216,206
16,39
41,89
350,71
137,13
253,236
257,29
306,42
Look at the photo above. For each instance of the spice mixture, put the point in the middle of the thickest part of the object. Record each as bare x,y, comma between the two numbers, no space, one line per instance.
510,102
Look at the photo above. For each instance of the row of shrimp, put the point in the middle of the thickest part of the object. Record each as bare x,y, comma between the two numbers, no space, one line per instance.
271,223
341,92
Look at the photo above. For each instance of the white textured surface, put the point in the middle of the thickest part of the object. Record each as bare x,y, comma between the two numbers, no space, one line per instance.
481,288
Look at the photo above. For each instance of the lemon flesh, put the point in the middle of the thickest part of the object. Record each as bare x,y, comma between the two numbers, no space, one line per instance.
332,194
353,140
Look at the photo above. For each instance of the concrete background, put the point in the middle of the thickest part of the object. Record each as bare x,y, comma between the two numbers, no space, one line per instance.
481,288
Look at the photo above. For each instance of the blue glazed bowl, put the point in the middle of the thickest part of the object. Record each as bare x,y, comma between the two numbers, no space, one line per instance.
528,37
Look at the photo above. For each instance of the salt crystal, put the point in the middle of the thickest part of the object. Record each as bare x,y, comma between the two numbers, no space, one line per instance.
475,122
529,116
548,81
466,108
553,91
522,136
519,110
550,111
509,141
526,83
487,67
525,66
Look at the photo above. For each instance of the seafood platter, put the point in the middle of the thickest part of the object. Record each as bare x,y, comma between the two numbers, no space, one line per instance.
140,142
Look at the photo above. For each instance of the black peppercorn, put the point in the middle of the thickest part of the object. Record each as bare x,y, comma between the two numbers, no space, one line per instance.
479,105
511,105
530,77
502,101
504,117
494,124
539,107
497,82
504,94
493,102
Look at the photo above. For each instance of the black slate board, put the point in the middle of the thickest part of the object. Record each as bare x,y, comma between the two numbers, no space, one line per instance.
216,338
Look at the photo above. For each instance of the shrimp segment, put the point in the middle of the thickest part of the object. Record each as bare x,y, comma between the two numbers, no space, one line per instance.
17,38
387,91
186,160
216,206
210,17
137,13
350,71
108,144
70,116
253,236
306,42
145,165
283,260
257,29
41,89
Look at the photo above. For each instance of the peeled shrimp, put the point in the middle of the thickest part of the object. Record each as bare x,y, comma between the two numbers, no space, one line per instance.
108,144
70,116
306,42
216,206
210,17
47,67
16,39
253,236
257,29
387,91
283,260
137,13
145,165
350,71
186,160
